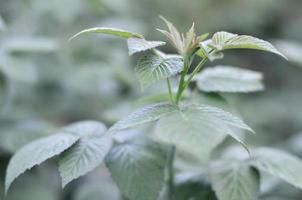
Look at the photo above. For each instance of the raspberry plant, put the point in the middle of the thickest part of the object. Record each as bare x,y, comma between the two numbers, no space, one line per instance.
178,134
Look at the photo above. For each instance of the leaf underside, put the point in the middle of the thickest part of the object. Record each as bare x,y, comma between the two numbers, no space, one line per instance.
229,79
136,45
224,40
109,31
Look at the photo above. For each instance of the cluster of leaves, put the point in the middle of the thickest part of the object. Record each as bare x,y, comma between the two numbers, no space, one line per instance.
142,165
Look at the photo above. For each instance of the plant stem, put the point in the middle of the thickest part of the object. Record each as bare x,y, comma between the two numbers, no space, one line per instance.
170,90
184,84
182,79
195,71
170,171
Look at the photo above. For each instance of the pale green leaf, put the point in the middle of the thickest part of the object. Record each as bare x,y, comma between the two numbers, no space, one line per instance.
138,169
198,129
144,115
136,45
278,163
35,153
152,68
88,153
233,180
229,79
108,31
224,40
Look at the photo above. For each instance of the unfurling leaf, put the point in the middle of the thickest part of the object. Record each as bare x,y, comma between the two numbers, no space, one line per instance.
138,169
136,45
35,153
278,163
229,79
109,31
144,115
88,153
233,180
151,68
224,40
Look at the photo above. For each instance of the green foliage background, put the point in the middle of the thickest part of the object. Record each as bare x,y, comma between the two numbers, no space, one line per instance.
47,82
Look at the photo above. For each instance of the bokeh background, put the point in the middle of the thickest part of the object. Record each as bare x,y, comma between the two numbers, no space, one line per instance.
47,82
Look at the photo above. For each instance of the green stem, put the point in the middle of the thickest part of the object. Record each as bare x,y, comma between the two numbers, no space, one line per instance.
170,171
170,90
182,79
195,71
185,84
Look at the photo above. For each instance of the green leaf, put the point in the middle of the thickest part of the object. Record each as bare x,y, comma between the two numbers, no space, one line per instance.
35,153
136,45
138,169
144,115
88,153
278,163
229,79
152,68
224,40
198,129
108,31
233,180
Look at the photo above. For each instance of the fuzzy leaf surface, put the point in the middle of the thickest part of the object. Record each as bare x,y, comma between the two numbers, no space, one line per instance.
35,153
136,45
229,79
152,68
138,169
88,153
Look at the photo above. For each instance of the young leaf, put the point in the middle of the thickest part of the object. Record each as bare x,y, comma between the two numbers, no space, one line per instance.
151,68
198,129
144,115
108,31
234,180
136,45
35,153
138,169
224,40
87,153
229,79
278,163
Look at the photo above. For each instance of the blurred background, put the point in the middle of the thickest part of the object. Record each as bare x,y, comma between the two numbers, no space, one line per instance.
46,82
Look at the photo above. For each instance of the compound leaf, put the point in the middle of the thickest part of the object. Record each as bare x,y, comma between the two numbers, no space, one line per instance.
87,153
229,79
